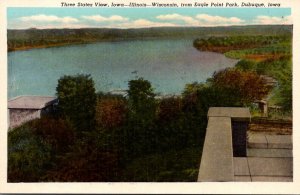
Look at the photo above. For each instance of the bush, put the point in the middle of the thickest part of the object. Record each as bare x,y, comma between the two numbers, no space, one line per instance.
110,113
246,65
56,132
87,162
172,166
169,109
29,157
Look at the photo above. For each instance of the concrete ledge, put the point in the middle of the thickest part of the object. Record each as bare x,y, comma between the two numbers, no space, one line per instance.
261,141
217,157
235,113
279,141
257,141
270,153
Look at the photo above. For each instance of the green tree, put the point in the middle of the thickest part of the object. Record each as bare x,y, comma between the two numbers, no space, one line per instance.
77,100
240,87
139,132
286,89
141,99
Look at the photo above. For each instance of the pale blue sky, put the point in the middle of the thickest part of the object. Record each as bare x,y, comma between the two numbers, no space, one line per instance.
20,18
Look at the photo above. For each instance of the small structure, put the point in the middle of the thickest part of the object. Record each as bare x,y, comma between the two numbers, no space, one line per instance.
270,81
263,107
25,108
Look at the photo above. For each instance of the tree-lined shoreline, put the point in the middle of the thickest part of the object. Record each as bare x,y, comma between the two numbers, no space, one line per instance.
42,38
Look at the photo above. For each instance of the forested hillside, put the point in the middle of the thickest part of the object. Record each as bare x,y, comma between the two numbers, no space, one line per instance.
39,38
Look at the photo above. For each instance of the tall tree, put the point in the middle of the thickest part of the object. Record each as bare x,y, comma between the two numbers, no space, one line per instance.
142,109
141,99
77,100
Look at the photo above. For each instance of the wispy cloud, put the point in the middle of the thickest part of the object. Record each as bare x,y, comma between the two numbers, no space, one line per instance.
99,18
210,20
177,17
201,20
272,20
143,23
48,18
117,21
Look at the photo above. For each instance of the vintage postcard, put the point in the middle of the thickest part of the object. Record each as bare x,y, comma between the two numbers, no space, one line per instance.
149,96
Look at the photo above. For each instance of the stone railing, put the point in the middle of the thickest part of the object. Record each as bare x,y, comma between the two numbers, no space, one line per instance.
225,138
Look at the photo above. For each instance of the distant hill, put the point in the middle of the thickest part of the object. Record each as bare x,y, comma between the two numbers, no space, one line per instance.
38,38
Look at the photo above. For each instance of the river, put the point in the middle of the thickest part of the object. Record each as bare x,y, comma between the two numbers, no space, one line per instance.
167,64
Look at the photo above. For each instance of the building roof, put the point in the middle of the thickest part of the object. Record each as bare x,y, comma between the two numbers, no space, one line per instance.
31,102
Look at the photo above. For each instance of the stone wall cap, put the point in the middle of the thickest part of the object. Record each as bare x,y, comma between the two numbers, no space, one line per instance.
236,113
31,102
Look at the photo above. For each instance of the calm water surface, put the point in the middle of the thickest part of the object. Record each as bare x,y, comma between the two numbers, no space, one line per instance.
167,64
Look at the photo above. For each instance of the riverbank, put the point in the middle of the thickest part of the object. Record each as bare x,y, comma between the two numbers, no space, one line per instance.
266,55
257,48
42,38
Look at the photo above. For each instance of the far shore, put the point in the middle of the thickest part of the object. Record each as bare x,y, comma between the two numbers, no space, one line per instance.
63,44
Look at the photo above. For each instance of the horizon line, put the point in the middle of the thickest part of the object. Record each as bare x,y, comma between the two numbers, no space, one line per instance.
240,25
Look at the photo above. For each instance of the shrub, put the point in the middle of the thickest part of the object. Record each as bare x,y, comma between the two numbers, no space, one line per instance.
56,132
169,109
28,155
246,65
110,113
86,162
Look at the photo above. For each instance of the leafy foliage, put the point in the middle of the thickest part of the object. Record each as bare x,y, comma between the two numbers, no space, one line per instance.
225,43
111,112
87,162
279,69
246,65
28,156
285,90
141,99
77,100
169,109
239,86
159,167
58,133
